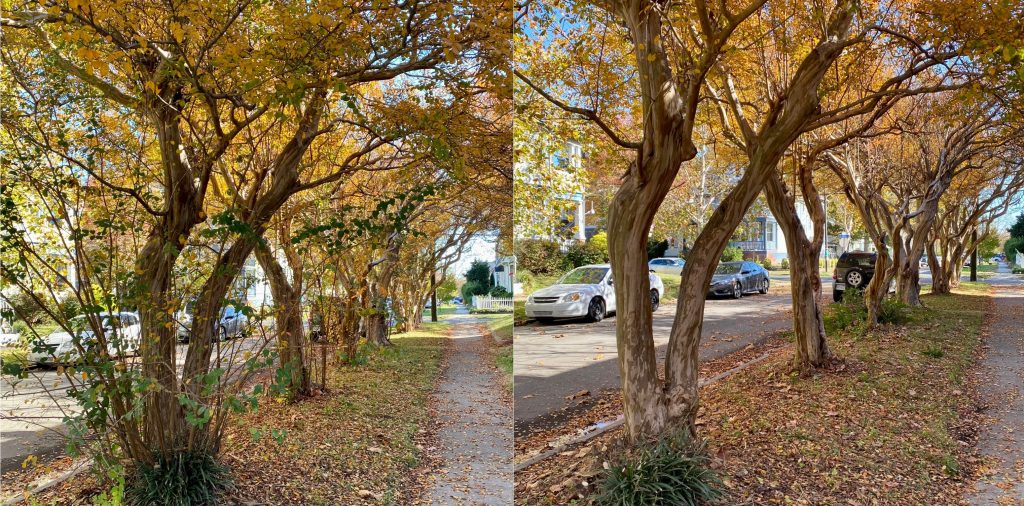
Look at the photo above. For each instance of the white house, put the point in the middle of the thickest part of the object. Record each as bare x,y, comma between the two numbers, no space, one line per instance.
503,271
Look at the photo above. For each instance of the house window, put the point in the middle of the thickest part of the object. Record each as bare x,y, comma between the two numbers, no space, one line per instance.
769,231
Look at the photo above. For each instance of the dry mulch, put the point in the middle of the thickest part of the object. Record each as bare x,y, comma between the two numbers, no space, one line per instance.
367,440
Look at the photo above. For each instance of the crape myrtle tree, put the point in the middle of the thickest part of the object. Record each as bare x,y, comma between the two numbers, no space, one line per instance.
656,55
974,201
750,88
945,148
210,83
896,180
676,54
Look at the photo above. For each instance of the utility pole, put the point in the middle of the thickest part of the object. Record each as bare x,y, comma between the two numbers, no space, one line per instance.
824,206
433,296
974,255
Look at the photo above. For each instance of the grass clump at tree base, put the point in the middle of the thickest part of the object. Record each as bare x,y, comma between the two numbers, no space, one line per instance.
673,471
180,479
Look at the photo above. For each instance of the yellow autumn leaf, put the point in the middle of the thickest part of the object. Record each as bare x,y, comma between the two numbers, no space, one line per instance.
177,31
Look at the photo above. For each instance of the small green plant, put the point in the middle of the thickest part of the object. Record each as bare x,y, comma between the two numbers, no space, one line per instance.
934,351
115,496
767,263
180,478
672,472
848,313
784,264
892,311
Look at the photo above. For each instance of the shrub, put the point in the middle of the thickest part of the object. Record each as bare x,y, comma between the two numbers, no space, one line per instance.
527,279
600,242
470,289
499,291
582,253
784,264
656,249
767,263
732,254
1011,246
674,471
180,478
539,256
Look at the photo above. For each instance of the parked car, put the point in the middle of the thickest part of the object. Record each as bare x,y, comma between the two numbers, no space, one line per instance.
854,270
667,265
122,332
736,278
231,323
456,300
586,291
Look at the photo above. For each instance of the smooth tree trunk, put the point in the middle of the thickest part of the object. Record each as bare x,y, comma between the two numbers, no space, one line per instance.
805,283
878,288
288,322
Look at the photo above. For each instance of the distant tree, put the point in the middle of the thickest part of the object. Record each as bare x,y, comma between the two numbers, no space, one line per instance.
447,289
480,273
1017,229
988,246
732,254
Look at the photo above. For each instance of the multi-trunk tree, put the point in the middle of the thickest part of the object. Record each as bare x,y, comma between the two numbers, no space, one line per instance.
233,98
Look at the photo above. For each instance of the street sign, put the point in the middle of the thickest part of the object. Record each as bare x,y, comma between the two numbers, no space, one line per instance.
844,235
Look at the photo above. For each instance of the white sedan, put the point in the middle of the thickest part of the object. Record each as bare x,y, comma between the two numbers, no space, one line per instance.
584,291
121,330
667,265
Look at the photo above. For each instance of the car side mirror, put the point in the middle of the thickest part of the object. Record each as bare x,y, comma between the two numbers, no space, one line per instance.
745,272
650,270
611,282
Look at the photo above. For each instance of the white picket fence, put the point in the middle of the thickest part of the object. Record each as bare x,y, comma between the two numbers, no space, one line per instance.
486,302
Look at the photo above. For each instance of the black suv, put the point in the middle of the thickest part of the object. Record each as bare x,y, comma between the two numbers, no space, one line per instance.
853,270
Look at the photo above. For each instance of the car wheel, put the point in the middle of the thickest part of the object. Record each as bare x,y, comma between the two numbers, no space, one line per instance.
764,286
655,300
737,290
855,278
837,295
223,334
595,311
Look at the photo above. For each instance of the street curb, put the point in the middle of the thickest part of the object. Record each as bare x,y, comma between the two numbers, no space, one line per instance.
619,420
70,473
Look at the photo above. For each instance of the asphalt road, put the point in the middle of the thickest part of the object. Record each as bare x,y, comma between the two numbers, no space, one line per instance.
32,409
555,361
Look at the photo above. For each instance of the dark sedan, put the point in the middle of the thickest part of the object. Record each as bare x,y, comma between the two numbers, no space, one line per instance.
736,278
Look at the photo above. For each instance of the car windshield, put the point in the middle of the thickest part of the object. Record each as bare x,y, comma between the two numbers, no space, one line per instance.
584,276
728,268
